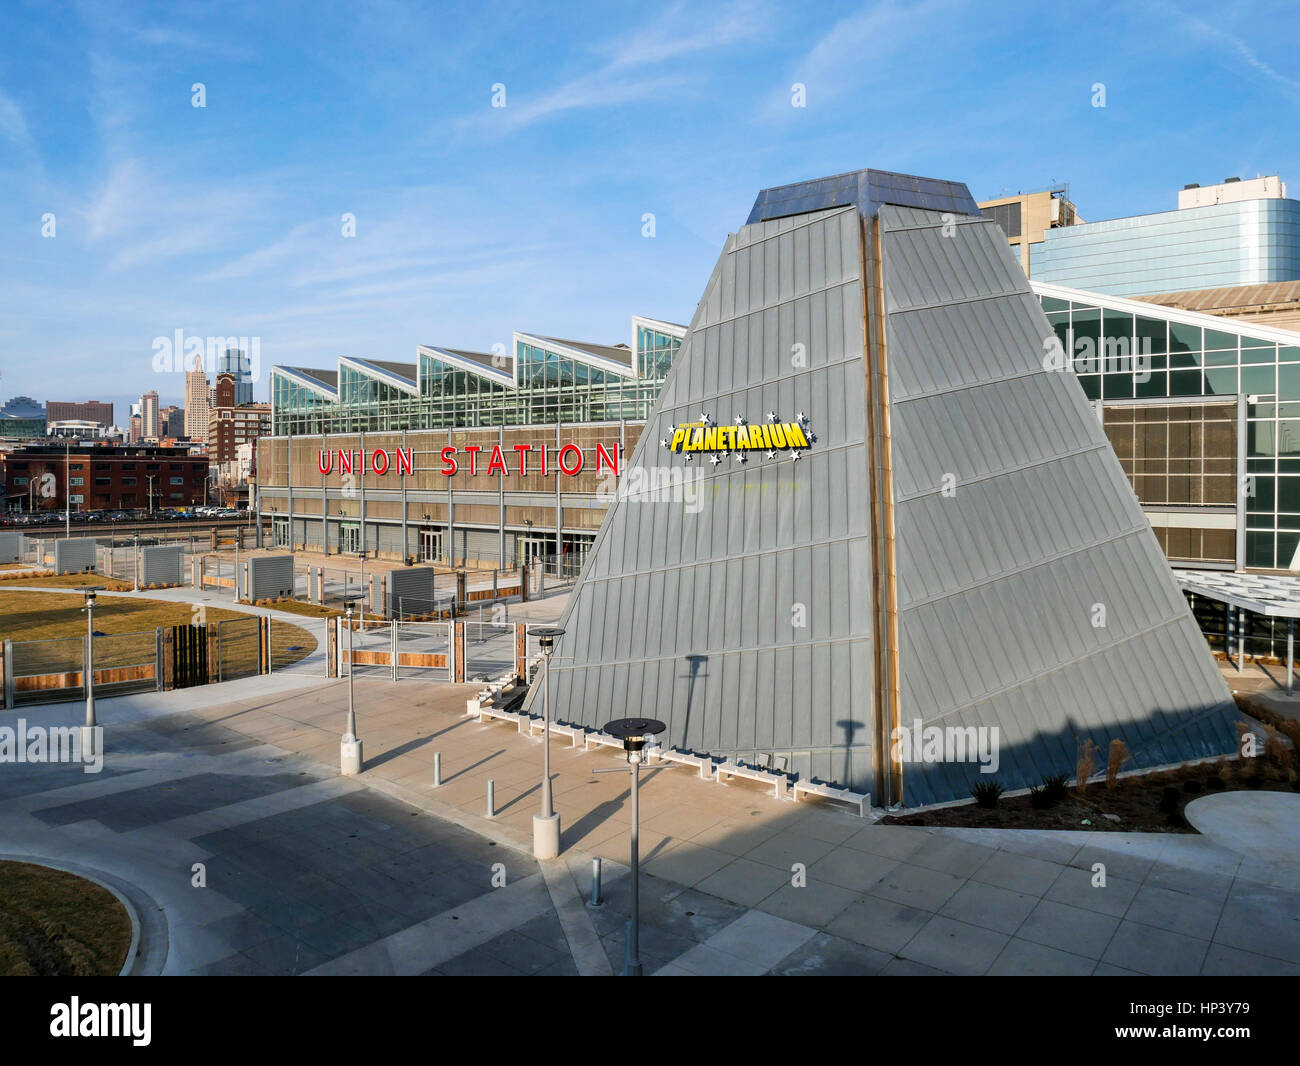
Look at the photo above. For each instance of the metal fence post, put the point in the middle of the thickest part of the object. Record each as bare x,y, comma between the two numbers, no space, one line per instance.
158,658
9,674
393,654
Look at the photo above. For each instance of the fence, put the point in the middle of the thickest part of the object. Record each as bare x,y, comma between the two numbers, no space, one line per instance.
167,657
435,651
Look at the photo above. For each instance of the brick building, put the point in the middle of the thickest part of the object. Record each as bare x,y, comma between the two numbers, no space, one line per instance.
103,478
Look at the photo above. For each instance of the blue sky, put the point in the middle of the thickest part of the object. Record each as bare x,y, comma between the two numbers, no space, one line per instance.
472,220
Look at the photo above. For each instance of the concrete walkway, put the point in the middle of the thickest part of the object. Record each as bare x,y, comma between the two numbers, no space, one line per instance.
309,872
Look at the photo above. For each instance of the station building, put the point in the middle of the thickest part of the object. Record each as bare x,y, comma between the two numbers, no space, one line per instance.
462,458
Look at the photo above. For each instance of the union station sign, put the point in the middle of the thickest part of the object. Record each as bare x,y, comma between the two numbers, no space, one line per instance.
568,459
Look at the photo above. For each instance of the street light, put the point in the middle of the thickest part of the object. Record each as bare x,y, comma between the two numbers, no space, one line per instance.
350,750
634,732
546,825
87,733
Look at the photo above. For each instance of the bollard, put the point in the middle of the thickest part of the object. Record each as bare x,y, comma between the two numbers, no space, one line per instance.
437,769
596,898
492,806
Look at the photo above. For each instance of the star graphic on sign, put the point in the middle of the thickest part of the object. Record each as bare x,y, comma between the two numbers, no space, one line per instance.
771,416
704,417
715,460
663,443
689,457
724,453
672,428
794,457
740,420
803,417
812,438
741,456
771,455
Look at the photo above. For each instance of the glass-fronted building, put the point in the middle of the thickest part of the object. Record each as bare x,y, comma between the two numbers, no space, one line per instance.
542,381
1248,242
543,396
1204,414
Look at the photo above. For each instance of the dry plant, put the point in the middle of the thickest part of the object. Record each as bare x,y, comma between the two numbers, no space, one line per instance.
1115,759
1083,765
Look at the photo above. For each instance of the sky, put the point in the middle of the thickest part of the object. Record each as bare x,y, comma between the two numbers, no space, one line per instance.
128,213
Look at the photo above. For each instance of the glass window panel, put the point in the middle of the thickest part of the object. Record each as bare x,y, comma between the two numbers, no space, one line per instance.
1259,550
1152,335
1051,303
1221,381
1259,355
1288,355
1217,339
1259,380
1261,438
1157,384
1184,338
1185,383
1092,385
1288,382
1288,494
1117,386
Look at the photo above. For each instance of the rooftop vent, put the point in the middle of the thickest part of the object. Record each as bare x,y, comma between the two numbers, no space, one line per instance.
1229,181
1192,185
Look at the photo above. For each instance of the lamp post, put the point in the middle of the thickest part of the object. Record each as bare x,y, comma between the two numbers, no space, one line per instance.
350,749
634,732
67,488
546,825
87,732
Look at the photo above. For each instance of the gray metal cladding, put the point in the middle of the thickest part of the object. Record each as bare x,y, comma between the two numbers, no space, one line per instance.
1015,527
734,600
722,606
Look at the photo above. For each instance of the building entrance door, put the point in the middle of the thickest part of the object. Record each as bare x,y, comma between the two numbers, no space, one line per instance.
532,548
430,545
349,539
280,532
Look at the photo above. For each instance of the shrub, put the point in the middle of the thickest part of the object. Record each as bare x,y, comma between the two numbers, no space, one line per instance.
1083,765
1039,799
1116,758
1215,783
1193,787
986,793
1054,787
1169,800
1276,750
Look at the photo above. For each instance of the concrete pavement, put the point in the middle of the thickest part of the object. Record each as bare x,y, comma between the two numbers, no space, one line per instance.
309,872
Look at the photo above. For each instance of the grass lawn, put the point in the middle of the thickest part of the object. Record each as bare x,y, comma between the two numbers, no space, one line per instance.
55,924
313,610
28,616
70,581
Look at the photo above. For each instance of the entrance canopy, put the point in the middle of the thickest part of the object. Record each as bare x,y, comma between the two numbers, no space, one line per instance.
1271,595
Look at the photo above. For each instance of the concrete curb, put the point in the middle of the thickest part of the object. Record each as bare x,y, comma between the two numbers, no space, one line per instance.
135,964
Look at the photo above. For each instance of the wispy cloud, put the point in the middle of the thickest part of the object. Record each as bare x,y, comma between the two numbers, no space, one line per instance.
1205,31
625,72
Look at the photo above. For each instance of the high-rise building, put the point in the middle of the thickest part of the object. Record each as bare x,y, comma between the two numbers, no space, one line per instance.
231,424
88,411
196,401
173,421
150,421
235,362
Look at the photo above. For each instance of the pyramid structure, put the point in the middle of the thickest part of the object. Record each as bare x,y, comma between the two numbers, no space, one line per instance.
866,507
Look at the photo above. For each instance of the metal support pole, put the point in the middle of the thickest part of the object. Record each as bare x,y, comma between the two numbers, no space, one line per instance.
634,939
1241,639
437,769
492,799
1290,653
1227,631
90,661
597,900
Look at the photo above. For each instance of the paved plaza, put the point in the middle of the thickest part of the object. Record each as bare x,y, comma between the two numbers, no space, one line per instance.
307,872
